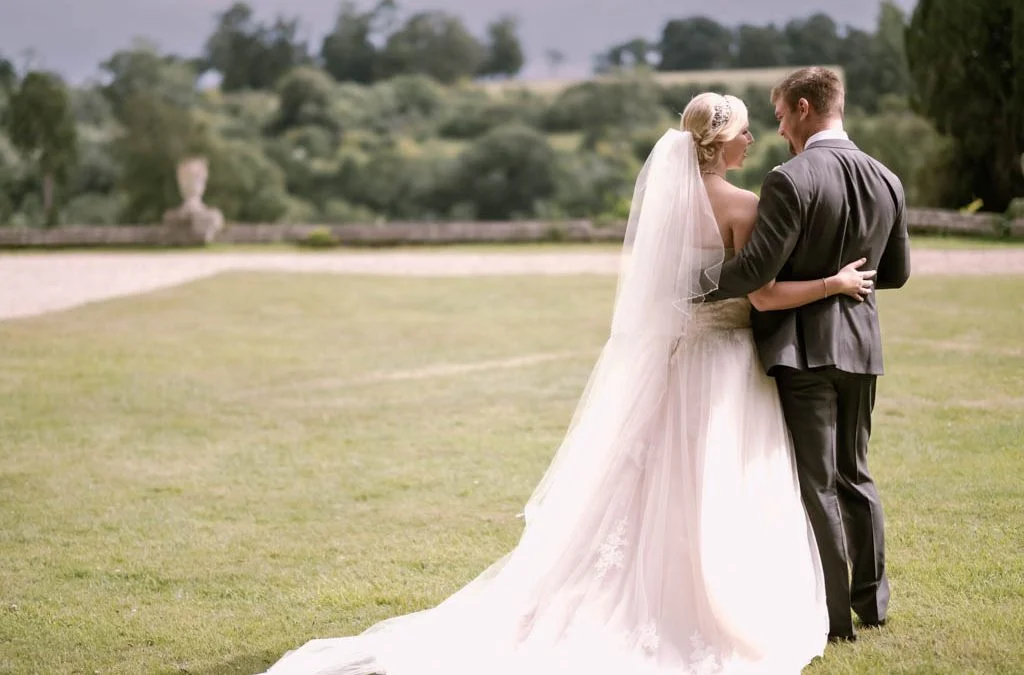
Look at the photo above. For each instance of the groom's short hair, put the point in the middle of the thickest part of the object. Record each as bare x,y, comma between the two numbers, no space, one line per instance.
820,86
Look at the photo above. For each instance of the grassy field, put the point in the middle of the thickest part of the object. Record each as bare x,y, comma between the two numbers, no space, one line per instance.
199,479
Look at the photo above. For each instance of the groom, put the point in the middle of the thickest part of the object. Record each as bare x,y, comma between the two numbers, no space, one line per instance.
827,207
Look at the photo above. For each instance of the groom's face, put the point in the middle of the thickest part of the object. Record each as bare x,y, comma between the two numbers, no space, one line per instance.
792,123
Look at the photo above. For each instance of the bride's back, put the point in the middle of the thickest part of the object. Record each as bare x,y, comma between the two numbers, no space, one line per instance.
735,210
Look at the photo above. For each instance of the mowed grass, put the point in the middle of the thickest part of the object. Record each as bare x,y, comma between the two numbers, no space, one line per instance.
202,478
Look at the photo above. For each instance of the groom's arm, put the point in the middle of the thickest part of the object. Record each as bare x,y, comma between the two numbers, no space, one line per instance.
771,243
894,265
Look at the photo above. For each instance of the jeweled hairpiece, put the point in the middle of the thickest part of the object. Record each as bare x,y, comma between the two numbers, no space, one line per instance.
723,112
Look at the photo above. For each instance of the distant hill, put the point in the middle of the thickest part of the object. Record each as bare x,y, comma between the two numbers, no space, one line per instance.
735,81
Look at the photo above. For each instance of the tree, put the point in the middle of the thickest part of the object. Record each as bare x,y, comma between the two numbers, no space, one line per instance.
856,56
245,185
42,127
8,83
13,171
409,99
697,43
812,41
96,172
595,182
348,52
876,64
600,108
760,110
156,137
143,70
281,52
507,173
906,143
434,44
890,51
233,46
250,55
554,58
966,60
8,75
504,52
91,107
760,47
402,183
306,94
636,52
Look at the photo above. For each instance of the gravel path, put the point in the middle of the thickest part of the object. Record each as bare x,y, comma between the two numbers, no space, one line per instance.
33,284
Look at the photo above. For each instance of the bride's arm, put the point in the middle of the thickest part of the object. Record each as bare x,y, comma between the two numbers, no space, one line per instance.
777,295
849,281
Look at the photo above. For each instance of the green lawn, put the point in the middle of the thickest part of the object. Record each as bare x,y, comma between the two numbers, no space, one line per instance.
199,479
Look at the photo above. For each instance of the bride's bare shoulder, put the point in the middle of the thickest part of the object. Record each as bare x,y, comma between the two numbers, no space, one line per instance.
734,207
736,213
741,206
746,203
744,217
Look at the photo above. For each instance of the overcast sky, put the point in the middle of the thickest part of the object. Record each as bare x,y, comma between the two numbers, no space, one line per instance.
73,36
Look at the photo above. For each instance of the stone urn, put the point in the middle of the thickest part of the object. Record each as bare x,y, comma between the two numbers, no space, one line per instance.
193,222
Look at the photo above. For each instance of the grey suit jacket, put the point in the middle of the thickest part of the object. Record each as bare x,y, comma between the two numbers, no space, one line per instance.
823,209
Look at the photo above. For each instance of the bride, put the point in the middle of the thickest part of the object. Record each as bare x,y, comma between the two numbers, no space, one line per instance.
668,535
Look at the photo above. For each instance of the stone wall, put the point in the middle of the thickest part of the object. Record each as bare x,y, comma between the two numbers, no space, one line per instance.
921,221
938,221
389,234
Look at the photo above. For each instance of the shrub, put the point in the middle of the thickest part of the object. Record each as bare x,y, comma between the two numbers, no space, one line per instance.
320,237
506,172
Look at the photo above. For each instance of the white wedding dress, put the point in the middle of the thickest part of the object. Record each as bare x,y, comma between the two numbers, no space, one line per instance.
668,536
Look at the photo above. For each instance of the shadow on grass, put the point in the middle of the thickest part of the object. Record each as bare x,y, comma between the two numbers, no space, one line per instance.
249,664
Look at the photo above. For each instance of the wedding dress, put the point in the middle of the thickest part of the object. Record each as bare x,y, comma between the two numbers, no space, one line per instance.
668,535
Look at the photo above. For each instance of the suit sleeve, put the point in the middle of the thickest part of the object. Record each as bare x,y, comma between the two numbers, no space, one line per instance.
775,234
894,265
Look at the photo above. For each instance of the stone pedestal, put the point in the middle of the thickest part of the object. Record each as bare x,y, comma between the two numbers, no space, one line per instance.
193,222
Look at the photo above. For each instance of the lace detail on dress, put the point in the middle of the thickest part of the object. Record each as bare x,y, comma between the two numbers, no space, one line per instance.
703,658
646,638
611,555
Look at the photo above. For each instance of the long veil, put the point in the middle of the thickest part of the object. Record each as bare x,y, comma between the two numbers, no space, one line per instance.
525,604
672,254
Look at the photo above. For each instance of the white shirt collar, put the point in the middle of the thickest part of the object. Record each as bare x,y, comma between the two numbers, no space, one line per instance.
827,135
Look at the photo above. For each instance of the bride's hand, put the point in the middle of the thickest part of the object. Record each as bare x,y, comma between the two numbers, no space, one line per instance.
852,281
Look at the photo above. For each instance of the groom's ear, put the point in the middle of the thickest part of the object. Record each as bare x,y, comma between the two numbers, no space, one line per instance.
803,108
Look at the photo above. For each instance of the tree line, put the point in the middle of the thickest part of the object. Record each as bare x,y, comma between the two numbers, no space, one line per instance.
363,46
383,120
874,62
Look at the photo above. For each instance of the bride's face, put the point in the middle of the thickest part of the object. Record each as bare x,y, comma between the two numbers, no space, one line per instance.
734,152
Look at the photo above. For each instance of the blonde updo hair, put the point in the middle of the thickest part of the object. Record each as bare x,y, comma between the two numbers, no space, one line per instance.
713,120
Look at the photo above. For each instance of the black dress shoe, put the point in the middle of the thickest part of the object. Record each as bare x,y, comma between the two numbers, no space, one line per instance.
873,624
878,623
842,637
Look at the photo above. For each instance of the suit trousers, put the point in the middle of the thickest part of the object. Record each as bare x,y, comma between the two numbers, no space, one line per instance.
829,416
